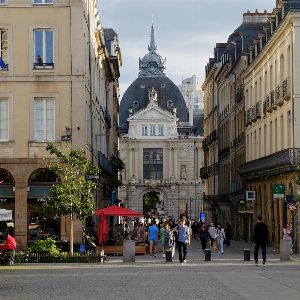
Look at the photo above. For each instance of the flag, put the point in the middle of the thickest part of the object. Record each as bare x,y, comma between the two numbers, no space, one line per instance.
2,64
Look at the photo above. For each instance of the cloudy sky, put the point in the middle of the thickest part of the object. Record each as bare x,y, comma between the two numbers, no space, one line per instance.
185,31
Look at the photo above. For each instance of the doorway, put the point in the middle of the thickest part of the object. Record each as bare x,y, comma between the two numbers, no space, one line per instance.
153,203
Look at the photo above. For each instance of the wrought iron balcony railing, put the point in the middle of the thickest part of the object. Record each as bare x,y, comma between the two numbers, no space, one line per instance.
282,161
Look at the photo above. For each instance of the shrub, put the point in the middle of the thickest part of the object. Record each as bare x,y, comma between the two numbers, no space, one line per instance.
44,246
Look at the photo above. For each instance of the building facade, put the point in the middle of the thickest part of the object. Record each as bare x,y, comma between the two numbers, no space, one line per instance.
271,84
58,80
193,96
161,149
224,143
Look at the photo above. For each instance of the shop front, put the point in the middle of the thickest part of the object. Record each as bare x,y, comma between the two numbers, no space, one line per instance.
7,201
39,225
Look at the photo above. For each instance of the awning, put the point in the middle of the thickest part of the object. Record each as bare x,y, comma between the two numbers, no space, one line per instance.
118,211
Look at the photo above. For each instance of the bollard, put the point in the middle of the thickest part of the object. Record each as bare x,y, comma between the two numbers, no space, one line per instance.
168,255
207,253
128,251
285,250
246,254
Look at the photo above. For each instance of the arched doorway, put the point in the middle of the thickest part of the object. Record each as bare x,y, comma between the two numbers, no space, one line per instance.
153,203
7,201
39,226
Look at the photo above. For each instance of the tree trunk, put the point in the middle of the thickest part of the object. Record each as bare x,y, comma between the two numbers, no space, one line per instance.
71,234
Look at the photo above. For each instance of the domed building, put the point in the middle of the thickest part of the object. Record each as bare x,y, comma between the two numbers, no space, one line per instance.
162,151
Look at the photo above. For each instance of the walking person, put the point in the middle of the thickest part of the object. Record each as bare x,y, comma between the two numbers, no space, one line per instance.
260,238
220,236
153,237
169,239
183,240
227,235
162,239
212,233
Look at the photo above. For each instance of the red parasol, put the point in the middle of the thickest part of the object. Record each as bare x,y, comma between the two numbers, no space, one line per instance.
118,211
112,211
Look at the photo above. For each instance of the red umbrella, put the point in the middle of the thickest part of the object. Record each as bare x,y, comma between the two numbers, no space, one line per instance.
112,211
103,230
118,211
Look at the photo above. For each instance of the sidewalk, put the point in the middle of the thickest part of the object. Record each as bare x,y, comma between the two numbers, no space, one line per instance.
234,253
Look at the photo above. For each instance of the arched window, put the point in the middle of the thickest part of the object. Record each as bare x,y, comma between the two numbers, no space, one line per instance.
6,177
43,176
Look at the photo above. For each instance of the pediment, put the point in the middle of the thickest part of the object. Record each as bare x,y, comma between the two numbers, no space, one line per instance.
153,113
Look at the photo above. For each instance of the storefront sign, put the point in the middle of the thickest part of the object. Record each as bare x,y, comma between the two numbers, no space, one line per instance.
278,191
5,215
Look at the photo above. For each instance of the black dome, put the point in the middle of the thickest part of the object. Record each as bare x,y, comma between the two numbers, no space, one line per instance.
136,98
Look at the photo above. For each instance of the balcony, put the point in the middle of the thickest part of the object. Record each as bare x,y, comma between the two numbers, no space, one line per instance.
258,110
268,103
224,153
239,96
286,89
248,115
277,163
213,136
273,100
43,66
104,163
279,95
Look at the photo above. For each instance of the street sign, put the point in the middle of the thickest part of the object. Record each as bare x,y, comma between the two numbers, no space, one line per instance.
202,217
250,195
278,191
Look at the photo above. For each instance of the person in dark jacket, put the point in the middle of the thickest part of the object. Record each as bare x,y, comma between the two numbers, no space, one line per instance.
227,235
204,236
260,238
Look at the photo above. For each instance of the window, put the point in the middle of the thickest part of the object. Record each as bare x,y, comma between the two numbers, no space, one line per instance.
3,119
42,1
44,120
3,49
160,130
152,130
153,163
144,130
3,2
43,48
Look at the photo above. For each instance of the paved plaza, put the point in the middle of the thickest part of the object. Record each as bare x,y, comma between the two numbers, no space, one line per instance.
225,277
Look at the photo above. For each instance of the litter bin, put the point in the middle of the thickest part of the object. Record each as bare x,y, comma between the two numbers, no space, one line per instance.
246,254
207,253
285,250
168,255
128,251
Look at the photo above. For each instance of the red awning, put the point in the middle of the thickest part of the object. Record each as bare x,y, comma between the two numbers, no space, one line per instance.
118,211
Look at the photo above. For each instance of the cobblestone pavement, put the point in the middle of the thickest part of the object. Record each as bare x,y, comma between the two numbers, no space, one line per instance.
225,277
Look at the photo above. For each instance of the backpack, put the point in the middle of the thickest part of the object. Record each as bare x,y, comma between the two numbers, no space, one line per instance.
169,239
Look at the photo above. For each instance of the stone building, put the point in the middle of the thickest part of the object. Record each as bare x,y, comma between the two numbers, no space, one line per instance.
58,82
224,127
161,149
272,89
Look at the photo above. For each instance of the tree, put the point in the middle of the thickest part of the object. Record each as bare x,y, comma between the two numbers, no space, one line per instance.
73,195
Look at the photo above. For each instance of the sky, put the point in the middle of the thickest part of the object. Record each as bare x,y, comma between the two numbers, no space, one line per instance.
186,31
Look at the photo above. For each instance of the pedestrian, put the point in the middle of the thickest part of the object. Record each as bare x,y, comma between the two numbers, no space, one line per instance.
286,233
162,239
183,240
212,233
227,234
204,236
169,239
260,238
153,237
220,237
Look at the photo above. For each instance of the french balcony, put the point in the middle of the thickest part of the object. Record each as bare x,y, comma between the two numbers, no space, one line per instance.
273,100
258,110
253,113
268,103
277,163
286,89
279,95
239,96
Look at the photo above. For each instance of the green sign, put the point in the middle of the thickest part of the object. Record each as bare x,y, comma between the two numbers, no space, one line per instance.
278,191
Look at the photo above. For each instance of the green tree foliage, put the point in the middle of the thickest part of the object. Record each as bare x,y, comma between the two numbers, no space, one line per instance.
117,167
44,246
151,200
74,193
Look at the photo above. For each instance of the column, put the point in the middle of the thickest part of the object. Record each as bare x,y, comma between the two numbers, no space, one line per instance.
130,163
175,163
137,166
276,219
170,161
21,224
